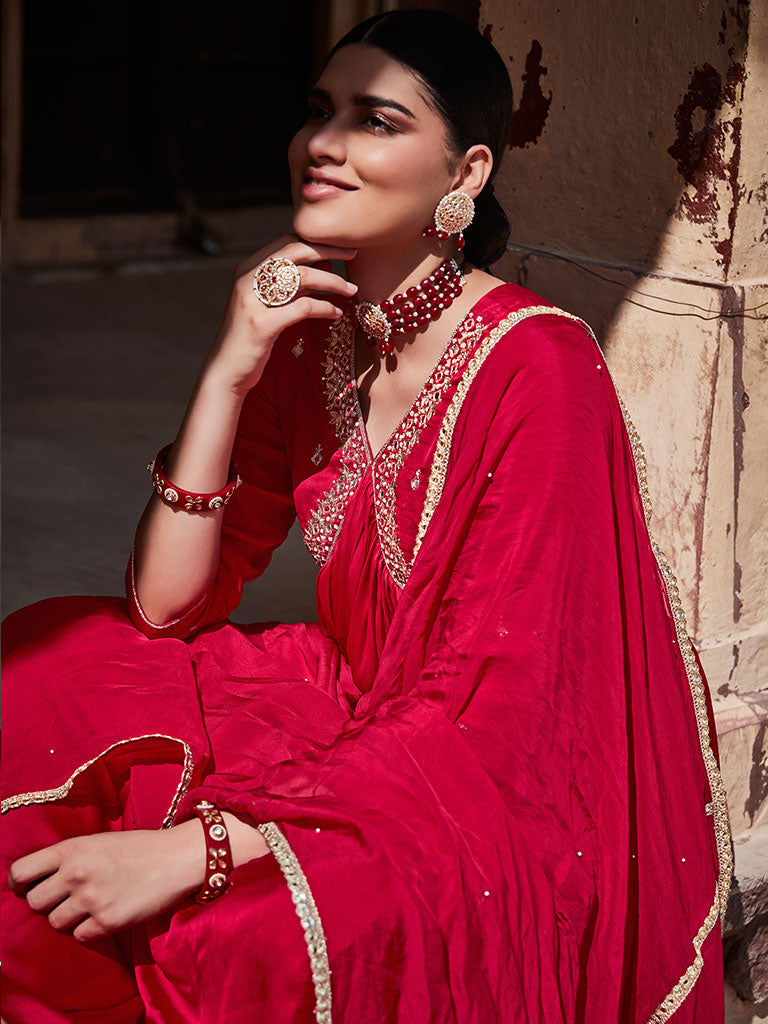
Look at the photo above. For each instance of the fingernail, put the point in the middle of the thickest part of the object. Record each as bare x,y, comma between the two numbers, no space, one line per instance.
339,312
351,286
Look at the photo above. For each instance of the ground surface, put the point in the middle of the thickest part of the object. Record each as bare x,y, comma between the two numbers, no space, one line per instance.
97,370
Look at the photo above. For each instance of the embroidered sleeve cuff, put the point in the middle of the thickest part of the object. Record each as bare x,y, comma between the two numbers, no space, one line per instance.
180,627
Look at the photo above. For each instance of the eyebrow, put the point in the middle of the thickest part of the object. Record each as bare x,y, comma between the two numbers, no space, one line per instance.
365,100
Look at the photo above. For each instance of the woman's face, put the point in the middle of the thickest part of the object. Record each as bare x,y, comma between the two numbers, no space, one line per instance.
370,165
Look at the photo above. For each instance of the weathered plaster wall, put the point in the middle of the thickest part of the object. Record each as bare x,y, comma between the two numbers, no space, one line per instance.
637,186
636,180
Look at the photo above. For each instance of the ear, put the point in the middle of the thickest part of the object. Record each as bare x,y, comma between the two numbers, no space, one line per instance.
474,170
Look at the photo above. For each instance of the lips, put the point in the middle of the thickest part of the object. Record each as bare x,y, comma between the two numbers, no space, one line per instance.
312,177
316,189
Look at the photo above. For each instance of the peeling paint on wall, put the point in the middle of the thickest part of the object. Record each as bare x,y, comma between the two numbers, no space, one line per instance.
698,151
528,120
707,149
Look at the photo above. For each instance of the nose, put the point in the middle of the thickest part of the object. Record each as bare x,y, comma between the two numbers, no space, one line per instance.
327,143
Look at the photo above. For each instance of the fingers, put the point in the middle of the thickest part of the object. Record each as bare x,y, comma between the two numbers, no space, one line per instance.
66,914
309,252
34,865
309,308
48,893
296,249
88,930
315,280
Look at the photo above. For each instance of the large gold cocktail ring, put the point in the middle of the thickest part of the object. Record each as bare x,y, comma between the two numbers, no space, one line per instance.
276,281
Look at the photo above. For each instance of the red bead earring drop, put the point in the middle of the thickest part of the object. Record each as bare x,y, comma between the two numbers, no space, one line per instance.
454,212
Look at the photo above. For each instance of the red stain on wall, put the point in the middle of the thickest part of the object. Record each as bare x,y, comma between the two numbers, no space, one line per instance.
528,120
704,134
698,151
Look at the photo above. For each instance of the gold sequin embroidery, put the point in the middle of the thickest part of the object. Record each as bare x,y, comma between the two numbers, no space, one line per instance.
390,460
301,893
339,388
327,518
308,915
355,456
45,796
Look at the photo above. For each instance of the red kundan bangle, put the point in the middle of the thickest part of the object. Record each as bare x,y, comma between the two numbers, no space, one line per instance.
189,500
218,852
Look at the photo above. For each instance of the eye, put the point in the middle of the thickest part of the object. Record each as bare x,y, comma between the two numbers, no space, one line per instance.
379,124
313,111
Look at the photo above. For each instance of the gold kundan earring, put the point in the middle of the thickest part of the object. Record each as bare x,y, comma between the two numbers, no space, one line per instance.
453,213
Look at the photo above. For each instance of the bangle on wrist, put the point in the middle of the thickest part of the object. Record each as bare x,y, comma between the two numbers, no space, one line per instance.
189,500
218,852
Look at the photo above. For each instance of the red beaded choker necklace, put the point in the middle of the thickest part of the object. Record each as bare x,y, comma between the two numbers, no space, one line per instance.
419,304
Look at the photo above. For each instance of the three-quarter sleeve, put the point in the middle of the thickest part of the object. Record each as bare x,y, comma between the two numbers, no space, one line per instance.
256,519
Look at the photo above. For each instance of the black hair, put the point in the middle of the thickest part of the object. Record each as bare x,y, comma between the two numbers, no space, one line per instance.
467,83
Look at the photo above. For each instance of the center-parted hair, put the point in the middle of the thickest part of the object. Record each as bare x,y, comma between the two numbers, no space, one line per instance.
467,83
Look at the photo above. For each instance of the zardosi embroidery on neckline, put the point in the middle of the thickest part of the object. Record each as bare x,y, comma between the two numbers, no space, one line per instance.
355,456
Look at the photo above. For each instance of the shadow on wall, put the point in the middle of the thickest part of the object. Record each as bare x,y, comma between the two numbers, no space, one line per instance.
636,185
626,142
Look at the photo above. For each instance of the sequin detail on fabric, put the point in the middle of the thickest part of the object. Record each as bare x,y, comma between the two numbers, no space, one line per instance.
308,915
718,807
355,456
327,518
390,460
339,388
45,796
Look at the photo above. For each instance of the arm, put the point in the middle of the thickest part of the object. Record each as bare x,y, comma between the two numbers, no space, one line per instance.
176,555
108,881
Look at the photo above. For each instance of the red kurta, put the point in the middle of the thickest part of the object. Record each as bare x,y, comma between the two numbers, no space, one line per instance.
490,768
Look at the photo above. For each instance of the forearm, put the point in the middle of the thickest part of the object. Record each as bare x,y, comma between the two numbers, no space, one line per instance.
176,553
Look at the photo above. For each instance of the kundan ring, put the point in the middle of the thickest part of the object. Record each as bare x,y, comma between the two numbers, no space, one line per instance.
276,281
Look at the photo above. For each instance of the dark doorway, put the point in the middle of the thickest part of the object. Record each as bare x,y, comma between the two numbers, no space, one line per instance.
145,106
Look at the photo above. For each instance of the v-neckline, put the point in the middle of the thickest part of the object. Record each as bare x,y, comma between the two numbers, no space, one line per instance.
356,394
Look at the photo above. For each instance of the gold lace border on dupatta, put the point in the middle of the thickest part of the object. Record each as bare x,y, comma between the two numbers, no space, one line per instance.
718,807
301,894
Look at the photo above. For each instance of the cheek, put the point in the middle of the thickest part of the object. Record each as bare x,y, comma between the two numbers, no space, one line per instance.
401,167
403,187
297,149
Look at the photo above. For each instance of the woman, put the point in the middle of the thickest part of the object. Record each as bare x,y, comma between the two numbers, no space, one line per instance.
484,786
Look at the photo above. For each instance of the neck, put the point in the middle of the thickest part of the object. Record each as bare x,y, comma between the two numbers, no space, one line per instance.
381,274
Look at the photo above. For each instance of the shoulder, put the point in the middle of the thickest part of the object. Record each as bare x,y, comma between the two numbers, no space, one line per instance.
531,335
535,353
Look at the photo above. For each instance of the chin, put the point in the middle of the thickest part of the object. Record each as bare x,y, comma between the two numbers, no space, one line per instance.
318,231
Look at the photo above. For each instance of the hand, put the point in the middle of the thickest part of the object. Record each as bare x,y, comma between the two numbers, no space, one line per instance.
250,329
112,880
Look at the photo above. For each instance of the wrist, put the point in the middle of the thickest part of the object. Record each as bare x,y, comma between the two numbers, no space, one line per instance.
246,840
217,380
191,850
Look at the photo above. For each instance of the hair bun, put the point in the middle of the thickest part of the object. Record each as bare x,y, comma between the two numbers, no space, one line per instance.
488,233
